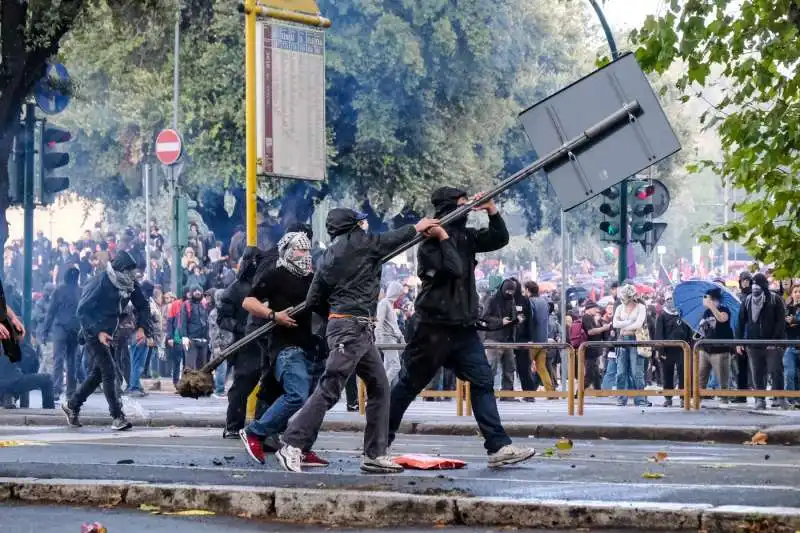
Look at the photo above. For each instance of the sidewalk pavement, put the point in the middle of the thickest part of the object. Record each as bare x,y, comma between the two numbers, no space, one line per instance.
543,419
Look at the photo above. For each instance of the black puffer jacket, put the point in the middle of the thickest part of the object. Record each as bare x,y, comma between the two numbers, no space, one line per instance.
349,276
447,268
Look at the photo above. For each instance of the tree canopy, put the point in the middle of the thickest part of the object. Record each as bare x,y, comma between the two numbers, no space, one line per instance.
419,93
746,51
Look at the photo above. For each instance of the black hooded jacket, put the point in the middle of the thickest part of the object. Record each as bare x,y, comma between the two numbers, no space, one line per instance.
349,275
230,314
500,306
771,323
101,305
62,314
447,268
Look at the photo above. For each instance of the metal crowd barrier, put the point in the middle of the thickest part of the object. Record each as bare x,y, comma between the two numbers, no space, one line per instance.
687,366
734,343
462,392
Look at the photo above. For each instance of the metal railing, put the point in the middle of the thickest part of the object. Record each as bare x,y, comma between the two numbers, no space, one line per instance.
462,392
687,365
734,343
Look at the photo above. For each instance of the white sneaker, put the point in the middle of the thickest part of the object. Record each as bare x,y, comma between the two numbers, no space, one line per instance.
380,465
510,455
290,458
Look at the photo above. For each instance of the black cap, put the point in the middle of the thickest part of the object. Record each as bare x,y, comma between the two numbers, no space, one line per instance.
761,280
123,262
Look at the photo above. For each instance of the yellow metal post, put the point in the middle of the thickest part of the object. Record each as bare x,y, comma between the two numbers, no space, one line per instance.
250,119
250,143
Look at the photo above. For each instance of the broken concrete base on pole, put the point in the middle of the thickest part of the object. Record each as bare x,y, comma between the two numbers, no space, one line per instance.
387,509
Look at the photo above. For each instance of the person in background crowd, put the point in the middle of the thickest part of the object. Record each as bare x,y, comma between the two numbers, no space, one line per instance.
220,339
610,355
595,330
99,315
63,325
762,316
387,330
174,352
537,330
791,357
194,330
670,327
742,366
140,349
17,380
629,317
715,324
504,314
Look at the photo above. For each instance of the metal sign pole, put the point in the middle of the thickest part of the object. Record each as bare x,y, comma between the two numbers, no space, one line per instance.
146,178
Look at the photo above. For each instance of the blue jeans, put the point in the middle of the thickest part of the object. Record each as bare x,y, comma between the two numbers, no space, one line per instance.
219,378
610,375
433,347
630,370
138,358
790,364
298,375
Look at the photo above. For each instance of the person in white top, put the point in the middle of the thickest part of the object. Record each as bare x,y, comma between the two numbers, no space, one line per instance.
629,317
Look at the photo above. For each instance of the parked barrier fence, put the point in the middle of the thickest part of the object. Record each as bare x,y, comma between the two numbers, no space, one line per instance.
462,392
734,343
685,392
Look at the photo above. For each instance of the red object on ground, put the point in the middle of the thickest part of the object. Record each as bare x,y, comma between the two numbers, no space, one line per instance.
428,462
96,527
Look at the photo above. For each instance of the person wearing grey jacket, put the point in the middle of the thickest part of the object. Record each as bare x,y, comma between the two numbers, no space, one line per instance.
387,330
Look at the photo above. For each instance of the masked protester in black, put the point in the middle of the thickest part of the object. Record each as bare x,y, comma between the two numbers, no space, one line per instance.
447,335
347,284
99,311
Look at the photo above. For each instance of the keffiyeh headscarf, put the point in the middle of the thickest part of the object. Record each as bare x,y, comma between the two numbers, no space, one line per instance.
299,266
627,293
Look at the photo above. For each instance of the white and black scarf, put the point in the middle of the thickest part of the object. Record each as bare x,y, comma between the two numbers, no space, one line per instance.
299,266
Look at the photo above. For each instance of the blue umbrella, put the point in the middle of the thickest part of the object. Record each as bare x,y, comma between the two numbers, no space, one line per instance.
688,297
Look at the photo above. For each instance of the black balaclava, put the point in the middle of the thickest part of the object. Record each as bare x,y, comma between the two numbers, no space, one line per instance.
749,277
507,289
445,200
760,281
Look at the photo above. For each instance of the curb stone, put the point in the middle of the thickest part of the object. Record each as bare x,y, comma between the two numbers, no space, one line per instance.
740,518
363,508
335,507
562,514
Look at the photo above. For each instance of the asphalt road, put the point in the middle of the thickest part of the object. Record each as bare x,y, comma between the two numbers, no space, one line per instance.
53,519
600,470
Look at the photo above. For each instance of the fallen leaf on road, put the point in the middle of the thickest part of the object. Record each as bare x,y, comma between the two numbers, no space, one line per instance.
759,439
564,445
652,475
149,508
549,452
659,457
192,512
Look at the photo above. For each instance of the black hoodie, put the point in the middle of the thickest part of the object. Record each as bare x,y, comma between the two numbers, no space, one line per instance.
349,275
62,314
447,268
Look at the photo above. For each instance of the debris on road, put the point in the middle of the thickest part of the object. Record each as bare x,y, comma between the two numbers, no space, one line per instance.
759,439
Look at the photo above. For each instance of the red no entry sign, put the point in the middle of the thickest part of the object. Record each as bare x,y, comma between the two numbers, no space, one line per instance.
168,147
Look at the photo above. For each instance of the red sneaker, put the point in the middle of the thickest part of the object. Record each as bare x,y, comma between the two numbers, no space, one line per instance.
253,446
312,459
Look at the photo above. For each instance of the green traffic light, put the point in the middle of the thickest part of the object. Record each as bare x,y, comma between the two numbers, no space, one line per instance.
609,229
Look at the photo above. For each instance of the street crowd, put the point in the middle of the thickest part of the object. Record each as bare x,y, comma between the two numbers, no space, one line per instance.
99,320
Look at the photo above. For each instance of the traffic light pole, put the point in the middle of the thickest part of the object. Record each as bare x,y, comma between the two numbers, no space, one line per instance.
624,236
27,283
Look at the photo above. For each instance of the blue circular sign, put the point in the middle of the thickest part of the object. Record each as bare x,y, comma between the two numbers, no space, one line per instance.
52,91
